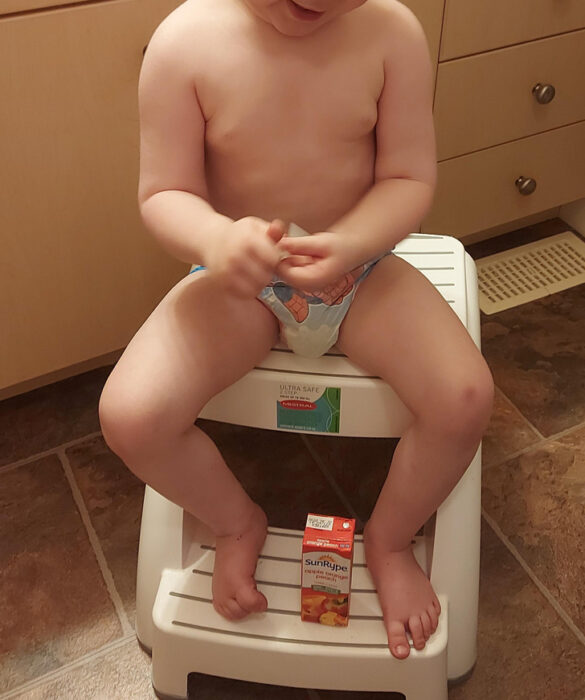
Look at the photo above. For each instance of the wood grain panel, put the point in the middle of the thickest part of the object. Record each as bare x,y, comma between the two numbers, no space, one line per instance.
78,273
472,26
477,192
487,99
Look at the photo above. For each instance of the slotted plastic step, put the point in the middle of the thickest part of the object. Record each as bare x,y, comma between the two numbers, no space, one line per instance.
276,646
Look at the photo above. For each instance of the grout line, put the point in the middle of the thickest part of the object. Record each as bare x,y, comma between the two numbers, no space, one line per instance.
537,445
508,400
567,431
514,455
46,453
127,628
565,617
67,668
334,485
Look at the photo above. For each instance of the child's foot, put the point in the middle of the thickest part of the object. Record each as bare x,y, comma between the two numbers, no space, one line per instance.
234,589
406,596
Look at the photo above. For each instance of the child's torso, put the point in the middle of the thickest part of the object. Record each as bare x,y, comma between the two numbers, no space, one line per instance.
289,124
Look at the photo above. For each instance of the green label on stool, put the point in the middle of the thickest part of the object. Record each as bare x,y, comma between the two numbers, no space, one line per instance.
307,407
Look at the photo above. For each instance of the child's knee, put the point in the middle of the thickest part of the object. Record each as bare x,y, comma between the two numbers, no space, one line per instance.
465,406
126,426
478,398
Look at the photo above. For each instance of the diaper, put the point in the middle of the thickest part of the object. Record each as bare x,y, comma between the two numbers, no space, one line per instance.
310,320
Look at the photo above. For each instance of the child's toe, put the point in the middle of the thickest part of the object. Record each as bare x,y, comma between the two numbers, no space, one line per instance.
416,632
434,618
397,640
427,625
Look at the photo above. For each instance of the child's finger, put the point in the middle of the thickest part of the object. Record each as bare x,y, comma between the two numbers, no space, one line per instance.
304,245
276,230
297,260
303,277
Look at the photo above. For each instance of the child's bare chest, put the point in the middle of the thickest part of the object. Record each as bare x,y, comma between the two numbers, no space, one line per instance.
294,107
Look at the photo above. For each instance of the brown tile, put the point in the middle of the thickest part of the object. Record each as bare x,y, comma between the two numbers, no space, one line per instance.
358,465
55,606
202,687
120,674
508,432
45,418
113,497
537,355
278,472
525,649
538,500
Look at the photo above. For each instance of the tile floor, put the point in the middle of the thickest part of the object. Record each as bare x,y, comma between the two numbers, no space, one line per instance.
70,513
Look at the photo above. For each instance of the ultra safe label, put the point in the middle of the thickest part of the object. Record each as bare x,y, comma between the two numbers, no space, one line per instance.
308,407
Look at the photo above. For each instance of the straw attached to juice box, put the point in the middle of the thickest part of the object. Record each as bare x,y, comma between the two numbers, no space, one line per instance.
326,569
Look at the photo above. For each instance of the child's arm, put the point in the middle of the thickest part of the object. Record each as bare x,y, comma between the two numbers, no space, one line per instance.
172,191
405,168
405,171
173,194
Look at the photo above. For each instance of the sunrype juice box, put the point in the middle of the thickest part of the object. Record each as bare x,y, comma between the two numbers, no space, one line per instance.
326,569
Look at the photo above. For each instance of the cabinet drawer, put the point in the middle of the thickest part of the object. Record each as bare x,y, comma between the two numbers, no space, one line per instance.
477,191
486,100
472,26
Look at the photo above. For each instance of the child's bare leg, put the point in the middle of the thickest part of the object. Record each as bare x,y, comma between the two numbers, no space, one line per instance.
197,342
422,350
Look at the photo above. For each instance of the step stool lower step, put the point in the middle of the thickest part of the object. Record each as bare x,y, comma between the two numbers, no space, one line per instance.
276,647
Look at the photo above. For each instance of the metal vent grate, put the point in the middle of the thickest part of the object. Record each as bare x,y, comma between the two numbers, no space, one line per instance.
530,272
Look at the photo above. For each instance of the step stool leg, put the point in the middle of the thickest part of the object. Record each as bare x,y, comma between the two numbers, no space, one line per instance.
455,567
160,547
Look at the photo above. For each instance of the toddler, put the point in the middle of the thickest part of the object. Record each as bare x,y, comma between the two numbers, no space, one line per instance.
317,112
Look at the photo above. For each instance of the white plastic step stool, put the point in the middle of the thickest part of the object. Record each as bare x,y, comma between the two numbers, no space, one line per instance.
175,616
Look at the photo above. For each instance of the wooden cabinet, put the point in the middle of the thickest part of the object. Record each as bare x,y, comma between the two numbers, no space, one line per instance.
509,103
78,273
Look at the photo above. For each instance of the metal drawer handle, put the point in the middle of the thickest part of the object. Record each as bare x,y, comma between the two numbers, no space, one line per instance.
544,93
525,185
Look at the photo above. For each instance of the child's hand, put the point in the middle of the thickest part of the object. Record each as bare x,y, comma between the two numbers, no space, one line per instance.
315,261
245,258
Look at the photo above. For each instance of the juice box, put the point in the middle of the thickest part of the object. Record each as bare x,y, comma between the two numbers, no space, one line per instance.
326,569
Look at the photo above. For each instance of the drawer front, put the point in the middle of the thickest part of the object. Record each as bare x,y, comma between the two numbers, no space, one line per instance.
472,26
488,99
478,191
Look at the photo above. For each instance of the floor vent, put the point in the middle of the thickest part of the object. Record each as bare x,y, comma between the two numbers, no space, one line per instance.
530,272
